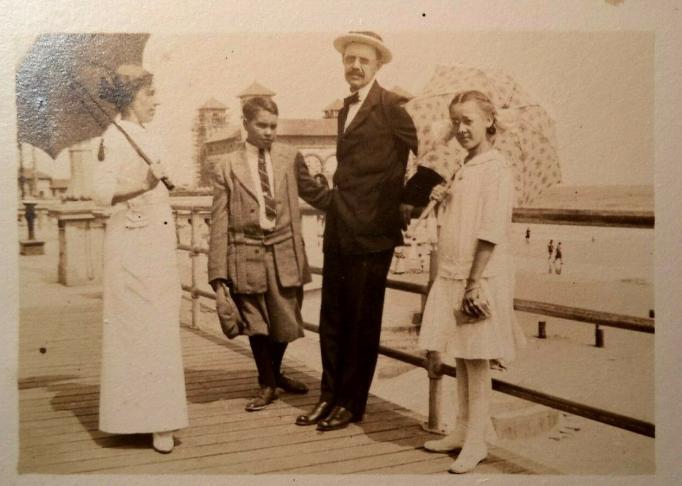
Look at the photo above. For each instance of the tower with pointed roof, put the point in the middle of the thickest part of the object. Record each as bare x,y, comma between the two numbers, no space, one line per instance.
255,89
212,117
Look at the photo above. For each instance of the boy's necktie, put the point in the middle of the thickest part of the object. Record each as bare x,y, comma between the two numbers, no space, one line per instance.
268,199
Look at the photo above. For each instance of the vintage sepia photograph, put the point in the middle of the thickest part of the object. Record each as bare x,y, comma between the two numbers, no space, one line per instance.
352,251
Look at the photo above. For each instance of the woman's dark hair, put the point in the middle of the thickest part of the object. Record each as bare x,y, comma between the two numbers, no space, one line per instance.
481,100
253,105
123,85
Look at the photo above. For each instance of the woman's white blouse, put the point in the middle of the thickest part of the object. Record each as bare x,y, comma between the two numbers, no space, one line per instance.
479,207
122,164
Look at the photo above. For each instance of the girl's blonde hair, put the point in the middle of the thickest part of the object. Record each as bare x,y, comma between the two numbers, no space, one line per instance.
483,103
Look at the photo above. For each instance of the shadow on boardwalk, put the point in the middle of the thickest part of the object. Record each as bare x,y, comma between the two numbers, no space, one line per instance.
58,394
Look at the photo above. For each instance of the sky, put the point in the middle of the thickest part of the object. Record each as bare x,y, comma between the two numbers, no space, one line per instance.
598,87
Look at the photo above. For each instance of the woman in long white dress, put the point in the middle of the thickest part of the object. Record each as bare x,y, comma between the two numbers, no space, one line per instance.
142,387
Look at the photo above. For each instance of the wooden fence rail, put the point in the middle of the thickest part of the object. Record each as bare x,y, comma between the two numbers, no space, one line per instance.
629,219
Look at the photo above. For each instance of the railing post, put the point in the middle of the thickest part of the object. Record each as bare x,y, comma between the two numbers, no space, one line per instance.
194,255
433,270
598,336
542,330
433,368
176,221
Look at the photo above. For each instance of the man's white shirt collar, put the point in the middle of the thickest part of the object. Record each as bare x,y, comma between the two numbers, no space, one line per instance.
362,92
355,107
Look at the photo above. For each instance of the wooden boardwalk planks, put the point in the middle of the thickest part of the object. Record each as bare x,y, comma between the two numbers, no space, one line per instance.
58,403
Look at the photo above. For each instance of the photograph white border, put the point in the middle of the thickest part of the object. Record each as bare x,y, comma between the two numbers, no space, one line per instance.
661,17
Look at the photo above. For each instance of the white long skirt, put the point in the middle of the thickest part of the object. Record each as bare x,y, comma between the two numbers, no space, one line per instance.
142,387
497,337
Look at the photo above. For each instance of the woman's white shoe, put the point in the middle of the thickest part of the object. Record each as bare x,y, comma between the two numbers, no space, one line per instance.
163,442
468,459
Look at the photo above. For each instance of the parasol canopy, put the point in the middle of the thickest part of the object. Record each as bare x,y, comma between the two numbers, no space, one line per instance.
525,130
57,81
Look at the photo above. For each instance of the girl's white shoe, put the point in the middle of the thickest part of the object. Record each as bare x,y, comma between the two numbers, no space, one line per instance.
469,458
452,441
455,439
163,442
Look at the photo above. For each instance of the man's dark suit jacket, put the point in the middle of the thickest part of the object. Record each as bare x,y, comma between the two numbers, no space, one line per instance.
372,156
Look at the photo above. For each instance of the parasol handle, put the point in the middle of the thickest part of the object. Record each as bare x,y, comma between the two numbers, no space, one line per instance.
166,181
422,217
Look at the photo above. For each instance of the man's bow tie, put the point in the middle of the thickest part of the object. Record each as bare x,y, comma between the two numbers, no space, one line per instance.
352,99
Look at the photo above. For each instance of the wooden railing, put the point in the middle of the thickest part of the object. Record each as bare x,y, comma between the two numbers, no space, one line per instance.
431,362
585,217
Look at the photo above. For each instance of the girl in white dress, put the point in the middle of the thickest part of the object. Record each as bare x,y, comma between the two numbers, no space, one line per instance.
142,384
469,311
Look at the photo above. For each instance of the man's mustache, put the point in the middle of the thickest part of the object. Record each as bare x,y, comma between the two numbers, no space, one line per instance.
355,71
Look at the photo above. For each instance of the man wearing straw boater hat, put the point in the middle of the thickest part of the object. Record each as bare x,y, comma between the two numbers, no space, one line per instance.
363,226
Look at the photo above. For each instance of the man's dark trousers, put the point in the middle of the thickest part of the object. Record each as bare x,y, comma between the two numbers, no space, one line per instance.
362,227
350,325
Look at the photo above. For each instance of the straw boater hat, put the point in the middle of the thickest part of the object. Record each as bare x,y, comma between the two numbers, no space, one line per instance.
364,37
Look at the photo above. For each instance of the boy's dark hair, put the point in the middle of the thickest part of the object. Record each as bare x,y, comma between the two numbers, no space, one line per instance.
253,105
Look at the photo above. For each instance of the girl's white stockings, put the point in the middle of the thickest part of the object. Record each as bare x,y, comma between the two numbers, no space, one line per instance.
455,439
474,448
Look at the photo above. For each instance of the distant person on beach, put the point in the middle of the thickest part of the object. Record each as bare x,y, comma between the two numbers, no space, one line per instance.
257,264
527,235
558,259
550,257
142,383
469,312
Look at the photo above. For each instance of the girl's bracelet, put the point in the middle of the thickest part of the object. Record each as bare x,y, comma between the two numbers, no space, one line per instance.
472,287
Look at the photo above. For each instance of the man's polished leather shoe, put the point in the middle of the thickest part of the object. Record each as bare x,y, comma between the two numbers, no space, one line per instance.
338,418
290,385
319,412
266,395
